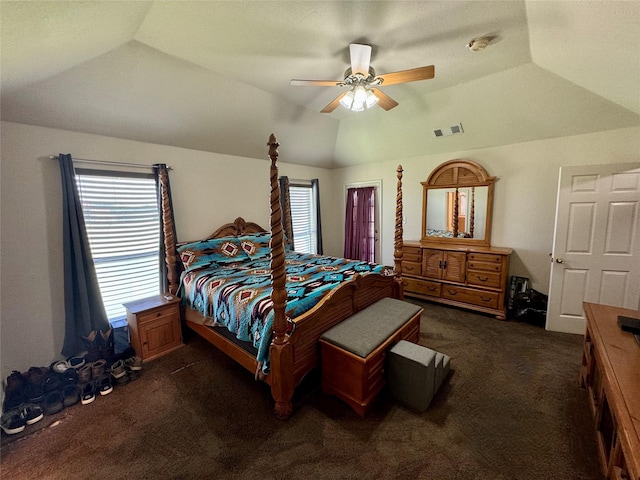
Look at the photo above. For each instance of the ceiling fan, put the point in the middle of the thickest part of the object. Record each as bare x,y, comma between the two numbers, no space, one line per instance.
361,80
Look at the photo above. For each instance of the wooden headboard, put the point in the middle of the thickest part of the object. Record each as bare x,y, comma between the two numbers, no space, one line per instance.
236,229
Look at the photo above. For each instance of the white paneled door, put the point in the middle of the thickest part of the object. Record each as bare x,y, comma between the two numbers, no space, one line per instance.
596,246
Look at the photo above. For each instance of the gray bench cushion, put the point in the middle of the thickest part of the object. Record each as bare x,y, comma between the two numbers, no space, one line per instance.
361,333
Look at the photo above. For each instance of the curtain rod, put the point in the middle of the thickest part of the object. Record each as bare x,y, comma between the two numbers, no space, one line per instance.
104,162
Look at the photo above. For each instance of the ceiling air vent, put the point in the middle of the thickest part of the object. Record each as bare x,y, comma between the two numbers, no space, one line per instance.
445,132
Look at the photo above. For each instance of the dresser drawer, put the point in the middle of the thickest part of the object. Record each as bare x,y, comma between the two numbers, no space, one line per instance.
468,295
486,279
485,258
411,268
411,254
423,287
484,266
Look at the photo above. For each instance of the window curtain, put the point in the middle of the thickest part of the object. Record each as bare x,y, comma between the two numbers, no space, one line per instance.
285,205
359,240
316,189
84,310
168,254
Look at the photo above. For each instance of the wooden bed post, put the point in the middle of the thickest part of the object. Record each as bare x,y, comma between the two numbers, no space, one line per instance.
397,243
282,386
171,258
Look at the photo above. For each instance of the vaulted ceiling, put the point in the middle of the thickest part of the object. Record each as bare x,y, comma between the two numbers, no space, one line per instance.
214,75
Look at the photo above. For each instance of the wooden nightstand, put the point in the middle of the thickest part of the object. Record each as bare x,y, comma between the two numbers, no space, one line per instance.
154,325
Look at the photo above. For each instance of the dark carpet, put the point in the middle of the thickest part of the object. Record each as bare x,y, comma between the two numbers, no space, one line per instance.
511,409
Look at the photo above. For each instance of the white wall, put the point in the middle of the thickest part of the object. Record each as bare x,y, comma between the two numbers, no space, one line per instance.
525,192
208,190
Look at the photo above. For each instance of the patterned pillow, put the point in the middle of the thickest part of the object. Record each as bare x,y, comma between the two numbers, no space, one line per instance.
218,250
256,246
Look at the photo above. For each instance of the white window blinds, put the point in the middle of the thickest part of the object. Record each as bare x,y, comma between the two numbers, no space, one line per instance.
304,218
123,225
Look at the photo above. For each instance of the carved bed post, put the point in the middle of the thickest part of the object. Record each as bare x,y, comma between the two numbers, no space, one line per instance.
456,211
282,386
397,238
168,229
473,211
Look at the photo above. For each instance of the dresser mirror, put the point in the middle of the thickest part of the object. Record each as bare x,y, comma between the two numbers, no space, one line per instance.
457,204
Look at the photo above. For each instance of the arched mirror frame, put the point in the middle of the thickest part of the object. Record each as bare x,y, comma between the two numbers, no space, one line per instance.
459,173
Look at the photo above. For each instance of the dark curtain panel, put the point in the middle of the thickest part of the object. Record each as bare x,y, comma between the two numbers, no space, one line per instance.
168,254
316,189
84,310
285,205
359,237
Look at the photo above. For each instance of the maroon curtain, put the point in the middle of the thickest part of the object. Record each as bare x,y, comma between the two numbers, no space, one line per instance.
359,233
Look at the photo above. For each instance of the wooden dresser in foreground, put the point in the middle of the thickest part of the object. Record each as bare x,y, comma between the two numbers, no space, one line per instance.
473,277
154,325
610,373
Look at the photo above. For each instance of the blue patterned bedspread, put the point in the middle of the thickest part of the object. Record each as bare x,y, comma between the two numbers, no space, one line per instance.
238,295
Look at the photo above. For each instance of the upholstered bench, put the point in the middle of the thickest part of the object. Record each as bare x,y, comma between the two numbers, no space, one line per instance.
416,373
353,353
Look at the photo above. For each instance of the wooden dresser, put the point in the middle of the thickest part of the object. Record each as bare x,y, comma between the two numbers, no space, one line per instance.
473,277
610,373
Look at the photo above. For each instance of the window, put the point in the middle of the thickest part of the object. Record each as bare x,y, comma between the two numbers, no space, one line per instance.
304,217
123,225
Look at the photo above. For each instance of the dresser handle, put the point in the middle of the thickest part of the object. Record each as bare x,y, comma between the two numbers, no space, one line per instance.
485,299
451,292
483,279
431,289
408,268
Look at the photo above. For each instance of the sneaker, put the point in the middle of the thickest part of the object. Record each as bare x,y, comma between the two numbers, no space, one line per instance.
134,363
97,368
84,373
34,392
88,394
51,382
60,366
53,402
14,399
117,369
37,374
70,377
104,385
77,361
31,414
70,395
12,422
15,381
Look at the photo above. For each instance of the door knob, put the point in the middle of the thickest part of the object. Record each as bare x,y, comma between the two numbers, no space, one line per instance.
559,260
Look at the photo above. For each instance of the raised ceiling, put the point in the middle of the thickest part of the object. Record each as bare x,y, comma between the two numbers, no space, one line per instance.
214,75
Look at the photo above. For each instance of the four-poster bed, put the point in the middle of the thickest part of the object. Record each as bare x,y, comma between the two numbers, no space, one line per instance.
293,348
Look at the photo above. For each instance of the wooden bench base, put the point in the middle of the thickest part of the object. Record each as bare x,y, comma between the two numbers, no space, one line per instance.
357,380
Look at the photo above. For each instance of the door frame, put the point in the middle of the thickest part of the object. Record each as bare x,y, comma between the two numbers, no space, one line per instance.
377,184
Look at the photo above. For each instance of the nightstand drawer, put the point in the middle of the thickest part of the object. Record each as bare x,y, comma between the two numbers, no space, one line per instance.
170,310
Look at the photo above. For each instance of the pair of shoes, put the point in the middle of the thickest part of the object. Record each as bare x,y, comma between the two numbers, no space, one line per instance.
70,377
53,402
34,392
51,382
12,422
37,374
60,366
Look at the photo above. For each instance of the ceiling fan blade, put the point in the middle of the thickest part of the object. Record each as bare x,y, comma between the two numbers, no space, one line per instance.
360,58
411,75
384,100
334,104
315,83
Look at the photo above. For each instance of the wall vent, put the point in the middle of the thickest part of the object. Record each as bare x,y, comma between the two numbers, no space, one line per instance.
445,132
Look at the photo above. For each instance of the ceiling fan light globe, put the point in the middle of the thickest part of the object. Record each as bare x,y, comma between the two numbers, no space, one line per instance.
359,94
347,100
371,99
